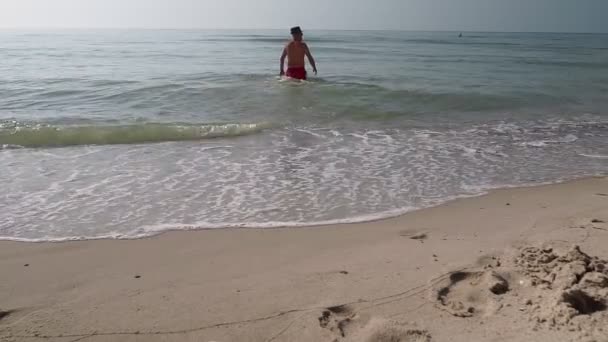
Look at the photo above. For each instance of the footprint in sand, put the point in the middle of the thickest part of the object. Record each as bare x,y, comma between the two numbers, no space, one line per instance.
414,234
4,314
347,325
336,319
467,294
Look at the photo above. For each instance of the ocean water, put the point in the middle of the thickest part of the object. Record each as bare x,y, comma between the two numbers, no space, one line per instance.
127,133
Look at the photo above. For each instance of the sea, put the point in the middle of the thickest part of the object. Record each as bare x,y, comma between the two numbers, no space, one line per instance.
126,134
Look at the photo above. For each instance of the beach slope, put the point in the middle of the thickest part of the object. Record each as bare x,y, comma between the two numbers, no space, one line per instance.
500,267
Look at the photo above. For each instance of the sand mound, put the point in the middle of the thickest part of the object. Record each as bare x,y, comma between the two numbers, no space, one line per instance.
572,289
553,290
561,291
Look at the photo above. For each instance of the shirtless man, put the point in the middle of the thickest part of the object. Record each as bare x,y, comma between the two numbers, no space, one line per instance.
295,52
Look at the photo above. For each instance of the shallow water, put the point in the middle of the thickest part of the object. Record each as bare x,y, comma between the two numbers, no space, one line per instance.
130,133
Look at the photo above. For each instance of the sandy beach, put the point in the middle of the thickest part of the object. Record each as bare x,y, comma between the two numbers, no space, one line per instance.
500,267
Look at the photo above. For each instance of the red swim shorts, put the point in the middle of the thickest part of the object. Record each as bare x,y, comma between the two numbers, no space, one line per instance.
298,73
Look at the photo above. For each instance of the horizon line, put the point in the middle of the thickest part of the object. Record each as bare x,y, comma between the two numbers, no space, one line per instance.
281,29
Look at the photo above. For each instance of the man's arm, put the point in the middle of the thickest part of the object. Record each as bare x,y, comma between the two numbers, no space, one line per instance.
310,58
283,61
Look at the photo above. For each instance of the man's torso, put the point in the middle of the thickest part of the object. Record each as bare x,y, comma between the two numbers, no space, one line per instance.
295,54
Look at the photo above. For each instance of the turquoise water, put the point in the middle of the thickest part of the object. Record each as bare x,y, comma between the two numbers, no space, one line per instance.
123,134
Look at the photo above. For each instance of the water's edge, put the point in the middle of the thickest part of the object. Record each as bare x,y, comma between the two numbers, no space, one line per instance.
392,214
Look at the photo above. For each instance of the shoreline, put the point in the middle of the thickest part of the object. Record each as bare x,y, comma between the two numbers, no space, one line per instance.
369,218
347,282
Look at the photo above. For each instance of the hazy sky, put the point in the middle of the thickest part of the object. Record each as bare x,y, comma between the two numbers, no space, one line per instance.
458,15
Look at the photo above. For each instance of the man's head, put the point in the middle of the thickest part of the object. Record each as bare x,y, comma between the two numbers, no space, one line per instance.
296,33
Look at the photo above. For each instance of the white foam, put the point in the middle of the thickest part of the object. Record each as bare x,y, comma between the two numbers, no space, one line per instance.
208,148
598,156
542,143
153,230
283,178
10,147
308,131
535,143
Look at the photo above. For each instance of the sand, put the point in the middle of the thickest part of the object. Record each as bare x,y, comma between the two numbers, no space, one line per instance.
525,264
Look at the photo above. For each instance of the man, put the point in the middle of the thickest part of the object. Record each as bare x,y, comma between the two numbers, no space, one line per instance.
295,51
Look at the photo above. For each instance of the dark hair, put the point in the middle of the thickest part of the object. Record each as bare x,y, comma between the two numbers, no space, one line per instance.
296,29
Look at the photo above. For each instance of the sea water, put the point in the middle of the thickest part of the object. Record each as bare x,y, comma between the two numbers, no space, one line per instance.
129,133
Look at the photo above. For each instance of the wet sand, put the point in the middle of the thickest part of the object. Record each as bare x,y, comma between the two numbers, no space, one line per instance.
467,270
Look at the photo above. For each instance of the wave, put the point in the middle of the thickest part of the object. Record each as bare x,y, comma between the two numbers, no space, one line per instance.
345,49
542,143
566,64
35,136
596,156
447,41
147,231
423,101
263,39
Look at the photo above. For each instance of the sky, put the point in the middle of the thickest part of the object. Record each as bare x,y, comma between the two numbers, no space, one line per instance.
426,15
